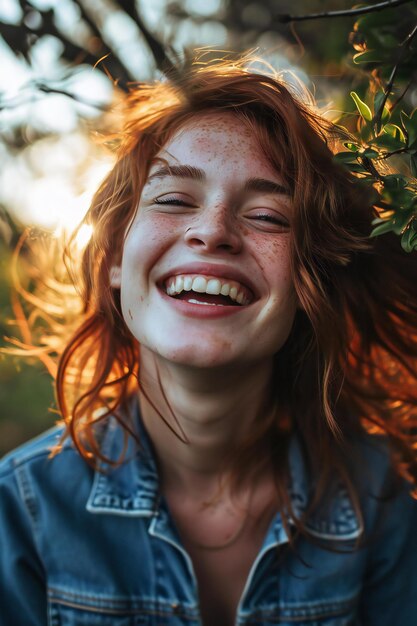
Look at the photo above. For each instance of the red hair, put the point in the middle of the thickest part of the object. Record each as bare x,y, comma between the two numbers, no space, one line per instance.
349,364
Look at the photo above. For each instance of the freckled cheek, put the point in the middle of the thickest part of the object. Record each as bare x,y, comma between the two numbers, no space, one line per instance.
146,243
273,256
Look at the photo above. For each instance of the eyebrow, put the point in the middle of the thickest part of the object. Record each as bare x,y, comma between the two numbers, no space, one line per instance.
179,171
262,185
265,186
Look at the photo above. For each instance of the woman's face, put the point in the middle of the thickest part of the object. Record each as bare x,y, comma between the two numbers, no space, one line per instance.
205,277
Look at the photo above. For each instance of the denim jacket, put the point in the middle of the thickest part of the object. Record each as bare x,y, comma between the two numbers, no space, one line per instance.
85,548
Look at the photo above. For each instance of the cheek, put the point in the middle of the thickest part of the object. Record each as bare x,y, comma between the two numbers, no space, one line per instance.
146,242
273,258
276,265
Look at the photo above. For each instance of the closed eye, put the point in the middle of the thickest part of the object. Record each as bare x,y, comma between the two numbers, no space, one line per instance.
278,222
172,201
270,218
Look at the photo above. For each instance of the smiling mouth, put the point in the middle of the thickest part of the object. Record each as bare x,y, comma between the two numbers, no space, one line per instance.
207,290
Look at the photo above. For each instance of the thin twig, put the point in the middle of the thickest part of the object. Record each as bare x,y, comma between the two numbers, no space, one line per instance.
94,105
285,18
15,102
404,48
401,96
387,155
370,167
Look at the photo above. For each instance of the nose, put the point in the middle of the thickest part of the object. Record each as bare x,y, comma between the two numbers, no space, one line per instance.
212,230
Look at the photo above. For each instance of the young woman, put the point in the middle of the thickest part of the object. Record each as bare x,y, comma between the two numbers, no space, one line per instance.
239,396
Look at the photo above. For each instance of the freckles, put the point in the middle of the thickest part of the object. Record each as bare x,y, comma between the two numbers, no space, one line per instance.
273,252
223,149
278,248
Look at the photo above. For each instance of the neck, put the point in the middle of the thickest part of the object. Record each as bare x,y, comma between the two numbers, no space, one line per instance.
206,416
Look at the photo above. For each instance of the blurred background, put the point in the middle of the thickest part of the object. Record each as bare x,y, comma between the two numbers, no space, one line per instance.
65,64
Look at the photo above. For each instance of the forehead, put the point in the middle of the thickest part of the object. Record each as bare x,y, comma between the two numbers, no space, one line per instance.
212,122
220,138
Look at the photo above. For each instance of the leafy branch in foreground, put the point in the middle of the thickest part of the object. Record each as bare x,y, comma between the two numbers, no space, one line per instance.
366,156
383,148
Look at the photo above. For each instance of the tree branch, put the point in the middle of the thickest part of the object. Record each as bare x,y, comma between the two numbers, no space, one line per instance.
387,4
44,88
403,50
19,40
162,61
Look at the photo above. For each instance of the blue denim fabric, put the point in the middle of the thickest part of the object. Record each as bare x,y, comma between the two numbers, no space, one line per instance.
85,548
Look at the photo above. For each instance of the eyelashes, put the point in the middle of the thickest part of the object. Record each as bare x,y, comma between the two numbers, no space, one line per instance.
171,202
273,219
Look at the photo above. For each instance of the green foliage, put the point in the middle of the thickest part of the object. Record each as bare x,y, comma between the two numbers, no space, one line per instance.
383,147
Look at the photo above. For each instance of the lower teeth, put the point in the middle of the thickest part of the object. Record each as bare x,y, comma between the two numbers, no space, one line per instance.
192,301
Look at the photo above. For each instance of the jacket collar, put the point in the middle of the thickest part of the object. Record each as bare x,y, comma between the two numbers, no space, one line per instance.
132,489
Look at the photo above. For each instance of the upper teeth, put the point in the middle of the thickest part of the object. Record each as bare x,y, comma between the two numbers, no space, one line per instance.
206,284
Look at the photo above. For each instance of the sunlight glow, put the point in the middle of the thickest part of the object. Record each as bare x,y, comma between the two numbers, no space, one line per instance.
51,183
84,235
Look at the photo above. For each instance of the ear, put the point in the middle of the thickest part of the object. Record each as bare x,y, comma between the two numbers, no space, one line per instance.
115,276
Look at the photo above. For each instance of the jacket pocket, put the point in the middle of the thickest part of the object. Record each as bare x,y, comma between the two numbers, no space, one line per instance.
73,608
60,615
315,613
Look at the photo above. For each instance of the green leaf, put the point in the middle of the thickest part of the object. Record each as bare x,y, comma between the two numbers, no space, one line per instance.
379,97
370,154
362,107
346,157
366,132
386,40
351,146
385,227
357,168
400,221
395,181
369,56
395,131
409,239
387,141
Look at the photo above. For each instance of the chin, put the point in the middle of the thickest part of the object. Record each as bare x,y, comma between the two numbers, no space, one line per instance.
196,355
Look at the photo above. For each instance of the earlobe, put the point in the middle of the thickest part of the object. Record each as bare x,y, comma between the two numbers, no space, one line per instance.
115,276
